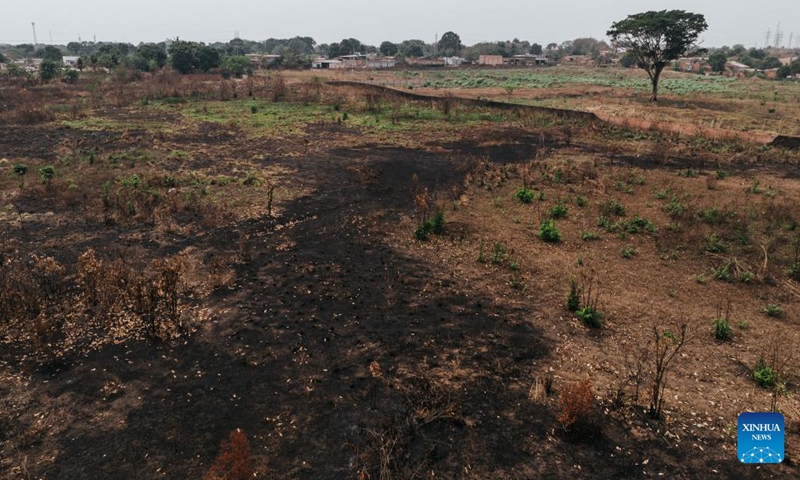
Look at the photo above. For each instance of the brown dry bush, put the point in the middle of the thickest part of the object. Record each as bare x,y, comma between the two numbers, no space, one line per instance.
234,461
577,404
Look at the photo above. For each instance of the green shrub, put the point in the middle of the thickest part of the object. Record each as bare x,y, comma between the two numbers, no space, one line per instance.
773,310
714,216
47,173
499,253
612,207
794,271
715,245
637,225
133,181
558,211
437,223
434,225
20,170
628,252
590,317
525,195
589,236
548,232
573,297
674,208
581,201
723,273
764,375
722,329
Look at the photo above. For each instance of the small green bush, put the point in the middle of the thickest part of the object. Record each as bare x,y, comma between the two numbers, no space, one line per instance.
499,253
773,310
722,329
581,201
715,245
612,207
434,225
525,195
558,211
589,236
723,273
590,317
47,173
628,252
764,375
548,232
573,297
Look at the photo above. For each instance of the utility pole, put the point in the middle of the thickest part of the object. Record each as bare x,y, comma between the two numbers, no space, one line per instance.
33,25
767,38
51,36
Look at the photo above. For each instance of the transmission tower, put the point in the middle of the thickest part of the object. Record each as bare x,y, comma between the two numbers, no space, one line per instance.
791,39
778,36
767,38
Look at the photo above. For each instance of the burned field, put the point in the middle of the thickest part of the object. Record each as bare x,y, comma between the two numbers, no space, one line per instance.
339,283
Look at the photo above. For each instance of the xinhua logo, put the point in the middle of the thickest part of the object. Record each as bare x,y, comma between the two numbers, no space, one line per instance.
761,438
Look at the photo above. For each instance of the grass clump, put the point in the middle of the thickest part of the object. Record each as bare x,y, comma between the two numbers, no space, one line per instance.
434,225
628,252
773,310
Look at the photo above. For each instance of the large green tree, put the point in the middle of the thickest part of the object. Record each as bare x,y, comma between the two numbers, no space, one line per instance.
388,49
656,39
450,44
50,53
717,61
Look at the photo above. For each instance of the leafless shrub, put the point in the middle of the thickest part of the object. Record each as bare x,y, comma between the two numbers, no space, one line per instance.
663,347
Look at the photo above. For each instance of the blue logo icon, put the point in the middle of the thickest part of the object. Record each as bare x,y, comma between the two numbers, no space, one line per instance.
761,438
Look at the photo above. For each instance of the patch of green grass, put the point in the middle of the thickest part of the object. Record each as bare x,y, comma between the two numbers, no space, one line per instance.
628,252
589,236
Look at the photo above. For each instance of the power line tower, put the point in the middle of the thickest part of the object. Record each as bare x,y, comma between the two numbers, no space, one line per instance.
791,39
767,37
778,36
33,26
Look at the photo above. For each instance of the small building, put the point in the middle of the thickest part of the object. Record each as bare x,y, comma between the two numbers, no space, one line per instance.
71,62
693,64
454,61
326,63
378,63
490,60
526,59
736,68
258,60
576,60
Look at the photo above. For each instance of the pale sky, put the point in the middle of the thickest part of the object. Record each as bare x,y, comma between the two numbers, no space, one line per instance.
373,21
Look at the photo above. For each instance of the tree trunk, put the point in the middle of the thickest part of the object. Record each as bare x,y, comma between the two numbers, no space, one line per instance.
654,80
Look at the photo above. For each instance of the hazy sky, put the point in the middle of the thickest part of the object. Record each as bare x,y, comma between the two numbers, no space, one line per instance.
372,21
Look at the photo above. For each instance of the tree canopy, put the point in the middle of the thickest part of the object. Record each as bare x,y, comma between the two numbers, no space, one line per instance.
655,39
450,44
389,49
187,57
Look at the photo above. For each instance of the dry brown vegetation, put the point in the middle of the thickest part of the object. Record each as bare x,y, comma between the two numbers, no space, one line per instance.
377,287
